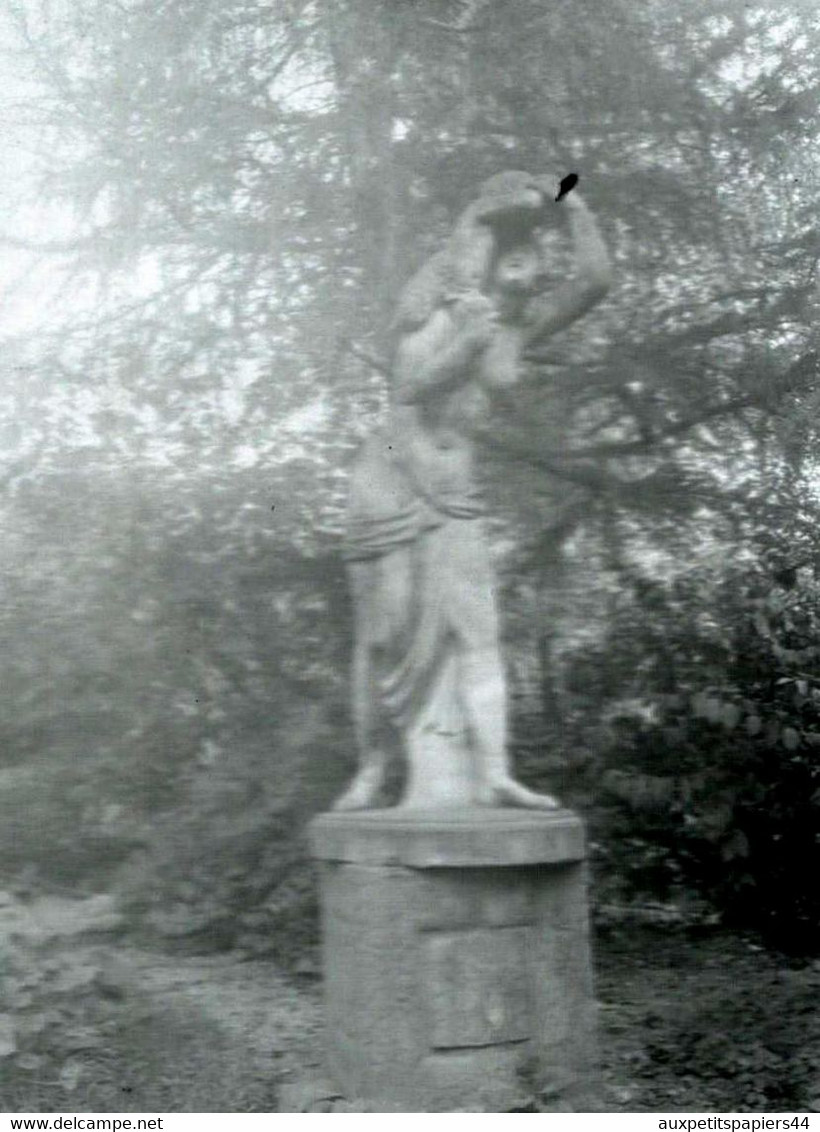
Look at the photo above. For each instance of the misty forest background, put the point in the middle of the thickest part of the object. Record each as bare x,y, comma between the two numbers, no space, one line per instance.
209,210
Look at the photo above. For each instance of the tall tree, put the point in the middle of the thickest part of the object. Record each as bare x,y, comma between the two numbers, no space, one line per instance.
241,189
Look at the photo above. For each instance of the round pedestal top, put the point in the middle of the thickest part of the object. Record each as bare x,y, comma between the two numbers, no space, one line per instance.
449,838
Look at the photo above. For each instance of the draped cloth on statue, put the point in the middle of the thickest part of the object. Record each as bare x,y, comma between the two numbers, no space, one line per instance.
402,485
425,529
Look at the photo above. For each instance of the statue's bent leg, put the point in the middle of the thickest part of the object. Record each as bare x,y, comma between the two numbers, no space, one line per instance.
381,588
483,682
485,698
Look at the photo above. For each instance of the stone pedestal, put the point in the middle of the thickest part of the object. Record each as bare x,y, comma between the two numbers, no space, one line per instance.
457,967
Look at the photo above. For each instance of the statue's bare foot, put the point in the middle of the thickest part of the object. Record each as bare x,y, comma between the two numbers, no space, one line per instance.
507,792
363,792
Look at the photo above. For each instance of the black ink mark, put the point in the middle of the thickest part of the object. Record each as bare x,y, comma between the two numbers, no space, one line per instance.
273,508
567,185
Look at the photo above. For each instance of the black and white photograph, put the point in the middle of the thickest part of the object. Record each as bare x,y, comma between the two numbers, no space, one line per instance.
410,604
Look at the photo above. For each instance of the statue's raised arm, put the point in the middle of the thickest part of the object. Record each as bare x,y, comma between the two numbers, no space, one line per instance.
547,314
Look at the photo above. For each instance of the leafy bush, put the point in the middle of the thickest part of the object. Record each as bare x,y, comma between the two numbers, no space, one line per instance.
716,790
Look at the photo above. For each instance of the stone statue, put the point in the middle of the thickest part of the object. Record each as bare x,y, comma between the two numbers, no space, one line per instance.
427,659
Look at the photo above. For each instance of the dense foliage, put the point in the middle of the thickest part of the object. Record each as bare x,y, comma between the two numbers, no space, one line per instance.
225,199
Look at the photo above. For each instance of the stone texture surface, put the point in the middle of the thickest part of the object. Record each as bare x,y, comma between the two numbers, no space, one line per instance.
451,981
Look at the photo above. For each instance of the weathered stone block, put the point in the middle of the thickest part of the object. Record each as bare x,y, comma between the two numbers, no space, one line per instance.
472,998
457,967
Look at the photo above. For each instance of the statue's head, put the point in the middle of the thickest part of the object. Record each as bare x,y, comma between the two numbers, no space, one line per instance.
495,240
515,270
494,246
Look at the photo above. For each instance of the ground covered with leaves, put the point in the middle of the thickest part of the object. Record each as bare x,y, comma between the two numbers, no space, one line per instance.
93,1022
706,1022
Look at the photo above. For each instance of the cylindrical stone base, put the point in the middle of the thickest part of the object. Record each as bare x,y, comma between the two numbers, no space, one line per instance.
457,966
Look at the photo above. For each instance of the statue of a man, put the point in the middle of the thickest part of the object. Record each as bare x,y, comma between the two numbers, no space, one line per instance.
427,657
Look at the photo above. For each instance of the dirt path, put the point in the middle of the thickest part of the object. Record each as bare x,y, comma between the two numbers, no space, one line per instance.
92,1021
251,1001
